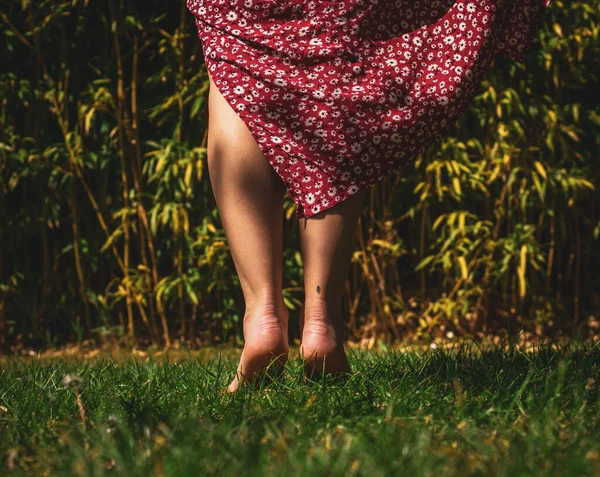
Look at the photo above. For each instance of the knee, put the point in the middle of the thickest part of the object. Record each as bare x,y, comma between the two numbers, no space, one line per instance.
218,150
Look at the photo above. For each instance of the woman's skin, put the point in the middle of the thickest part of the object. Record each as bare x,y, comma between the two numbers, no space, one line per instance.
249,196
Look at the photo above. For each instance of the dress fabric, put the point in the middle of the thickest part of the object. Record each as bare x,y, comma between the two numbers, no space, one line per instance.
340,94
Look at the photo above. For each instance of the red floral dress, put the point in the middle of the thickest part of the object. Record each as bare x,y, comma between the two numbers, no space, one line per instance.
340,94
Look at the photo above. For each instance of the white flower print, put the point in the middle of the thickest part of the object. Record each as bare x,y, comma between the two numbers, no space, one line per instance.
332,123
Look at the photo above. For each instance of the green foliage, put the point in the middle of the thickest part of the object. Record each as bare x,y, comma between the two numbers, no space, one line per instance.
500,410
108,224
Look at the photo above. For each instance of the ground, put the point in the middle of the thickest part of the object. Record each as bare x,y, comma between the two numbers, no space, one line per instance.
497,410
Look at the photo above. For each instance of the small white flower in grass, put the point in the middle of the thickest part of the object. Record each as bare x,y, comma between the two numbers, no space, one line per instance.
72,381
111,424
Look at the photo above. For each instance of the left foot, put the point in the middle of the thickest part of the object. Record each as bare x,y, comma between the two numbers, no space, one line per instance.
265,345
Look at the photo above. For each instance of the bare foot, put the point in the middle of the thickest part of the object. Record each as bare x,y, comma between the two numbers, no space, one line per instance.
322,347
265,346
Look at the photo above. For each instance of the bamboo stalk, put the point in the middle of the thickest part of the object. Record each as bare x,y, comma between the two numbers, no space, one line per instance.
45,265
77,256
145,234
179,264
576,290
369,281
488,267
423,283
2,300
552,244
120,112
180,36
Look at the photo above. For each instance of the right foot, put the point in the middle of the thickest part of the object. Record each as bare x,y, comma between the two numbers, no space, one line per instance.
322,347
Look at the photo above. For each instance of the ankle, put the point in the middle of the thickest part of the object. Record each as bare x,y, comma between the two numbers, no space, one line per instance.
267,309
322,307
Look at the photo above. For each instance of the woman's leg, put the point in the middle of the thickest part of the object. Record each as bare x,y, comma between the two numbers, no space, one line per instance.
327,241
249,196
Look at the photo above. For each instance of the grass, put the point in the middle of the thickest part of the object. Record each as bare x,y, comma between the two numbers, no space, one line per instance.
461,411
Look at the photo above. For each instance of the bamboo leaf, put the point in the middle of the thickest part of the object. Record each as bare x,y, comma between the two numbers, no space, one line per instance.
426,261
463,267
457,187
540,168
111,239
521,269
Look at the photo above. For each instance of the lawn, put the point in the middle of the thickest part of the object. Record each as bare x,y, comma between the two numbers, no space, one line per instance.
496,410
